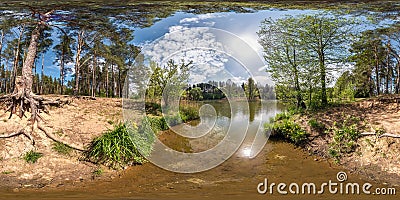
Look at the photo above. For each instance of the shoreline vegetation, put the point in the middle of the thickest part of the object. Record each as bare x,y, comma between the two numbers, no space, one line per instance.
362,136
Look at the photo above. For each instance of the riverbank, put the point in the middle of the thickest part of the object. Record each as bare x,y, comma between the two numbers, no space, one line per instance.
56,176
79,122
237,178
371,155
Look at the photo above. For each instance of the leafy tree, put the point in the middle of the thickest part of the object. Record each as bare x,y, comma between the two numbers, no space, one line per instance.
196,94
284,56
325,36
344,87
297,47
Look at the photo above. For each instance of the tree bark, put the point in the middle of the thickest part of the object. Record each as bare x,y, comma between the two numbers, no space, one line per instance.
322,69
62,70
16,58
42,76
377,70
77,60
94,75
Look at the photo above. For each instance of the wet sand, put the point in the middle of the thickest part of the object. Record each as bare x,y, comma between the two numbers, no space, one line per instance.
237,178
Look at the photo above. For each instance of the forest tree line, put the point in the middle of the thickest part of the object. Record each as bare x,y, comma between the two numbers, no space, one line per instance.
316,59
95,59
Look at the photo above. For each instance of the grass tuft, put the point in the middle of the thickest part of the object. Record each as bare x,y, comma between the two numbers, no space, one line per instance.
61,148
121,146
32,156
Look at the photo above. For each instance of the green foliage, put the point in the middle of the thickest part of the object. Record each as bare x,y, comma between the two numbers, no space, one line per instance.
153,108
282,116
188,113
32,156
123,145
156,123
344,87
98,172
61,148
284,127
196,94
159,123
7,172
316,125
344,140
380,131
298,51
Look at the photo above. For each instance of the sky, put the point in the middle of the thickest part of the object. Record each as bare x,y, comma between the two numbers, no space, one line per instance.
221,45
185,28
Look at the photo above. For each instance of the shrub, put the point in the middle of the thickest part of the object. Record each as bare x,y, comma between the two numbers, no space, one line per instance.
125,144
61,148
156,123
344,140
32,156
282,116
287,129
188,113
316,125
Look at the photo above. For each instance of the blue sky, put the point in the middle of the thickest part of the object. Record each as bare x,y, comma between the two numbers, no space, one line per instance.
182,26
243,25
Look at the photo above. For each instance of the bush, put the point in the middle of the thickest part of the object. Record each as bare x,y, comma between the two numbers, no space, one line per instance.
287,129
157,123
61,148
32,156
123,145
316,125
188,113
344,140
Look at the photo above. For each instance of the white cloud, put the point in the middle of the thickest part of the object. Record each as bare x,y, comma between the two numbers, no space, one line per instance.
202,17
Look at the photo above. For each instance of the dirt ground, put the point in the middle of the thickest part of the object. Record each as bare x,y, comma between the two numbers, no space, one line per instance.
377,158
67,176
77,122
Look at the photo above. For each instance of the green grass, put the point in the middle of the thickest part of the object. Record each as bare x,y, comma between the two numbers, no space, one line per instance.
283,126
61,148
7,172
98,172
32,156
122,145
314,124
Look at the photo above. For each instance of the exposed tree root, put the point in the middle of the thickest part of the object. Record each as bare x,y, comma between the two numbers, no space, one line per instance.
55,138
383,135
22,131
21,102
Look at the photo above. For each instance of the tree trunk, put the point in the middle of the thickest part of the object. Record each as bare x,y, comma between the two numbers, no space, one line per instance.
377,71
398,78
94,74
16,59
387,69
62,70
119,82
322,69
113,81
3,74
107,82
42,76
77,60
